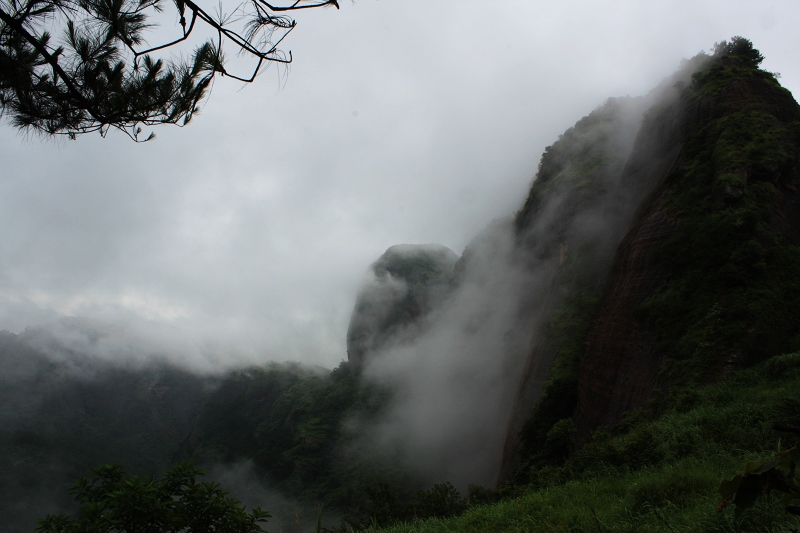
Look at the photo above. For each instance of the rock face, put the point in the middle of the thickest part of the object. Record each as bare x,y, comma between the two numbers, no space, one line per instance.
575,215
675,260
716,239
658,248
400,288
619,369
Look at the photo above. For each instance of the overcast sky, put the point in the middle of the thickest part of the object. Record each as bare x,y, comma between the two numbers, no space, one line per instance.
244,236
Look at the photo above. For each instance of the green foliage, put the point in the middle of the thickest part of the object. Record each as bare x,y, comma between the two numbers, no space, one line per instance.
578,180
731,276
761,479
740,48
417,265
110,502
732,61
581,162
565,334
659,472
560,441
57,424
292,422
408,281
441,500
480,495
104,75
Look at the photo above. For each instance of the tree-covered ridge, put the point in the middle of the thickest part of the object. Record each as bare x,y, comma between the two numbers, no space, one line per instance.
292,426
733,61
290,422
62,415
299,428
733,264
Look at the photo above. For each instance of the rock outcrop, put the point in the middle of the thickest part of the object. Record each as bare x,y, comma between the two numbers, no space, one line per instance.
680,262
399,289
716,239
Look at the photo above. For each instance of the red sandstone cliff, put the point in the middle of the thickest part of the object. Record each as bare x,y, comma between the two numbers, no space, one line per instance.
622,363
701,225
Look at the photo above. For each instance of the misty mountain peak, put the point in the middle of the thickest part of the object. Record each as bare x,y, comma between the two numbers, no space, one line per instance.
398,290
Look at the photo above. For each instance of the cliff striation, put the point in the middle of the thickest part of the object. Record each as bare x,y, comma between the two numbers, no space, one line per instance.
706,279
678,264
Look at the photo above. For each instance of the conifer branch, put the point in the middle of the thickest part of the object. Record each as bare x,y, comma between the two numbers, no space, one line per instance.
102,78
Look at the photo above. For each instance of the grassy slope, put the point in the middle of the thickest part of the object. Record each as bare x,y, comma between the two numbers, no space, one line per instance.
661,473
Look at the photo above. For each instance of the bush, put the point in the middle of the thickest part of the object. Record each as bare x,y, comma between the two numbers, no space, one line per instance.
441,500
112,503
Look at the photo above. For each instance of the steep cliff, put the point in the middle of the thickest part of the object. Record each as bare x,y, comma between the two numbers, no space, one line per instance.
707,277
567,229
584,197
675,259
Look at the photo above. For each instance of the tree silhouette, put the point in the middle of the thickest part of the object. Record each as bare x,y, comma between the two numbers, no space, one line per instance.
101,72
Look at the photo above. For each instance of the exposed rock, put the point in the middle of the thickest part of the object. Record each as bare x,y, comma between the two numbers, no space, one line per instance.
399,289
704,278
575,215
629,354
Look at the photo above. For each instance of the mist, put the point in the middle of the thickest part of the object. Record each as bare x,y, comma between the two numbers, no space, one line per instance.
242,238
452,379
462,372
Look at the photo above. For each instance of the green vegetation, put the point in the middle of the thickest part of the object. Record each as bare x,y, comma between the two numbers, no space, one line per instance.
734,60
733,272
547,436
61,418
761,479
112,503
732,279
104,73
300,429
659,472
714,452
290,422
580,173
408,281
581,163
728,302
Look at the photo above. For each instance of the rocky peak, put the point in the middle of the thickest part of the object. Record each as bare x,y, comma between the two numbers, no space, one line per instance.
399,289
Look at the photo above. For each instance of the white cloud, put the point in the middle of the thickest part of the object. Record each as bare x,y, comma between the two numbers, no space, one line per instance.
400,122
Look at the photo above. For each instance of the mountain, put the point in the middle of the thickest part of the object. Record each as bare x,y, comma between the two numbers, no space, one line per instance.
64,412
707,273
656,250
400,288
708,276
628,316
